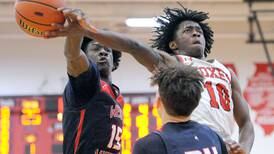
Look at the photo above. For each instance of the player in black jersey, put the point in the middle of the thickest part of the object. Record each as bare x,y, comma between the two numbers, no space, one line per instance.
92,120
93,115
180,88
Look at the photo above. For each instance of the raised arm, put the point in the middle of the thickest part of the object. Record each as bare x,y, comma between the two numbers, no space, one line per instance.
83,75
77,61
242,117
144,54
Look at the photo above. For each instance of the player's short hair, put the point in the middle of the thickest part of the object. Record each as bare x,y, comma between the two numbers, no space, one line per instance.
180,87
169,23
116,54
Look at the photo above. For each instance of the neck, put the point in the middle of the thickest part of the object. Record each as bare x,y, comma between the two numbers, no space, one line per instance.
181,52
168,118
106,78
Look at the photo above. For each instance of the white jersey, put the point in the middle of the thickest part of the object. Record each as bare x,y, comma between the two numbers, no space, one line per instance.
215,108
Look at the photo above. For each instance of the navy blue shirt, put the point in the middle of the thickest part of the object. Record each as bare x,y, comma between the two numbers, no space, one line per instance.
92,120
181,138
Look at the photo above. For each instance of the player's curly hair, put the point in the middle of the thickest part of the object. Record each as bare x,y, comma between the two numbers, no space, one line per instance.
116,54
169,24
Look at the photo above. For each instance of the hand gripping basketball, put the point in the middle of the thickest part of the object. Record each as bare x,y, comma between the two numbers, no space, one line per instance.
35,17
80,16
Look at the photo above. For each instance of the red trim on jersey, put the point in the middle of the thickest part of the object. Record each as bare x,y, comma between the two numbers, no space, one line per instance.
107,89
231,73
79,130
120,100
181,59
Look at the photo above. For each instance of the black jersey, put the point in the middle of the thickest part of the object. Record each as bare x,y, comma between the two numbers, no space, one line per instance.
181,138
92,120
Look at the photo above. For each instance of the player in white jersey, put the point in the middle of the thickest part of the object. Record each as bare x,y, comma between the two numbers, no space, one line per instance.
183,32
216,101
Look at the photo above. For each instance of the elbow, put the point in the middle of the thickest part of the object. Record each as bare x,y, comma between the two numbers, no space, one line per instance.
68,56
71,55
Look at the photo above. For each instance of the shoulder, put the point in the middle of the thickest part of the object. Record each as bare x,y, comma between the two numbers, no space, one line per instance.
91,74
166,59
151,143
228,71
204,128
210,133
150,140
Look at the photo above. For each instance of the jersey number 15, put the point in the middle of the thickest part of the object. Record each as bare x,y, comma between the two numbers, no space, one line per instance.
115,139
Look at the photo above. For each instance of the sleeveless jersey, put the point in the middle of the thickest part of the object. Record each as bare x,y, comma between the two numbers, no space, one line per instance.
96,125
215,108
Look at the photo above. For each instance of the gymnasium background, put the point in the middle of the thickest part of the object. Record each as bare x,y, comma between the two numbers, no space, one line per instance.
33,71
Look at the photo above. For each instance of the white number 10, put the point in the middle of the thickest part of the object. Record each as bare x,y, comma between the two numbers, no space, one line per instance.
203,151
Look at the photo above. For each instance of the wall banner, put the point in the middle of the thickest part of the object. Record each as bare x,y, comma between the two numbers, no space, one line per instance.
259,93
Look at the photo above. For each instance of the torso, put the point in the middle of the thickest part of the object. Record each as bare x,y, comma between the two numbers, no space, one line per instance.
190,137
96,128
216,106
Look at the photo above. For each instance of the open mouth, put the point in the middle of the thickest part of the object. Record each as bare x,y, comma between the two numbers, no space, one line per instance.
102,61
197,42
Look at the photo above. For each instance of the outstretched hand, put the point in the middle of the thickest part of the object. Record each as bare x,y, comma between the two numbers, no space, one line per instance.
72,25
235,148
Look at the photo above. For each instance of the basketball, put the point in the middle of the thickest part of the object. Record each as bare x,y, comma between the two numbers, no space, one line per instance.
35,16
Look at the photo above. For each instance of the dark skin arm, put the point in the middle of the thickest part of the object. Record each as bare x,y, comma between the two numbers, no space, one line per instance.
77,61
242,117
143,53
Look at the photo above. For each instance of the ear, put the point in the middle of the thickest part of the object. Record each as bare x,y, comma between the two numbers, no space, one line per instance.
172,45
158,102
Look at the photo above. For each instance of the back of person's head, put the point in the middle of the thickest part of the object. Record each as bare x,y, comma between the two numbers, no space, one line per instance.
180,87
169,23
115,53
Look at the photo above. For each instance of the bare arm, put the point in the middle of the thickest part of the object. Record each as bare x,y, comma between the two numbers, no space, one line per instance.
241,115
77,61
144,54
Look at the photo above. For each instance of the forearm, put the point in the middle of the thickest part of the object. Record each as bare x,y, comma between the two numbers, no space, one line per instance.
115,41
241,115
77,61
246,136
141,52
72,47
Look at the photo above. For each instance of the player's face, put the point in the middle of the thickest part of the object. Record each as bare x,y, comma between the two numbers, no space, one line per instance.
190,39
101,55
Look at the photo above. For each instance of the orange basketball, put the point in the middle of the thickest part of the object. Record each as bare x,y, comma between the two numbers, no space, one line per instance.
35,16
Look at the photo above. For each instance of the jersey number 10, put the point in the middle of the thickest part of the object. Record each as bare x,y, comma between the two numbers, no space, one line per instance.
224,98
